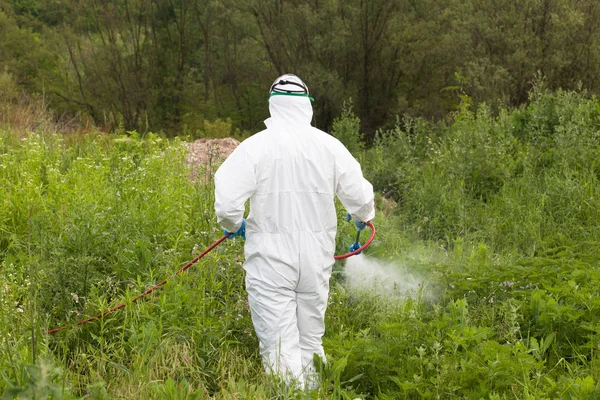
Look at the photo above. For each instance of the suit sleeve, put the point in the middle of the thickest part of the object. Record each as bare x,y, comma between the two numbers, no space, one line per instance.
353,190
235,182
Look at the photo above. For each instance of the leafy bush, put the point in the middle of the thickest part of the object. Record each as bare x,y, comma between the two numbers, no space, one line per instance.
346,129
515,180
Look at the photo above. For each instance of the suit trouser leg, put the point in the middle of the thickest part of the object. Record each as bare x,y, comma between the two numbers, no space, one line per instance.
275,321
311,328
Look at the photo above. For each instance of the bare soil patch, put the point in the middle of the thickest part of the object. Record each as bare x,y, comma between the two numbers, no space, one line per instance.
205,155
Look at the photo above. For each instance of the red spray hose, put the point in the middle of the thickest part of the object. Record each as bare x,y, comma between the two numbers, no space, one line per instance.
361,248
188,265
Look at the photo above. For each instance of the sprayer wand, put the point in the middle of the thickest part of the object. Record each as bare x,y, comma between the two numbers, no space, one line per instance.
356,245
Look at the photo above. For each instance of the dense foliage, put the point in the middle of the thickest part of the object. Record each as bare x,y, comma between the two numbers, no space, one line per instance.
170,66
498,214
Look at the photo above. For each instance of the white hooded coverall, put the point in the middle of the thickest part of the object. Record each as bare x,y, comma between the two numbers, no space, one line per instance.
290,172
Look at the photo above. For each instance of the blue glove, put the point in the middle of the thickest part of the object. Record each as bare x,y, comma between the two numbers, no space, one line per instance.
360,225
240,232
354,247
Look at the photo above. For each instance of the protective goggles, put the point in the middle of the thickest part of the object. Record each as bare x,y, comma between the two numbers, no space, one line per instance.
302,90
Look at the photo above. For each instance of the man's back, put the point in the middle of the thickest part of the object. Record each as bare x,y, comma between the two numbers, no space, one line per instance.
295,172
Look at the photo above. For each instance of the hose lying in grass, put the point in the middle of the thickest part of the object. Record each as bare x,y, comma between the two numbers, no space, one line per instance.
188,265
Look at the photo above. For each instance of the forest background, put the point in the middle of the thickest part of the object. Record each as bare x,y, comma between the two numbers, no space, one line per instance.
178,66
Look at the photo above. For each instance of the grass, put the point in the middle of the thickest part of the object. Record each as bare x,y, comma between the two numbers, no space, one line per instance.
499,214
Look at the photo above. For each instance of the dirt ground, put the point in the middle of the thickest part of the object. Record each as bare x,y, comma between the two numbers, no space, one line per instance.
206,155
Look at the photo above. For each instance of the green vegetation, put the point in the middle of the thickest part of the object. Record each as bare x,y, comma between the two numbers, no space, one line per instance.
499,213
169,66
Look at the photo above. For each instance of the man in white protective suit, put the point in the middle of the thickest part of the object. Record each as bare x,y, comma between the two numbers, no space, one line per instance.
290,172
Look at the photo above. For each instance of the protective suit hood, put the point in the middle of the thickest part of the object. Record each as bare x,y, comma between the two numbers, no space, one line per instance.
289,111
289,103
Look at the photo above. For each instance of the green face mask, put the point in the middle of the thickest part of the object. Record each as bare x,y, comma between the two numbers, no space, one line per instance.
290,94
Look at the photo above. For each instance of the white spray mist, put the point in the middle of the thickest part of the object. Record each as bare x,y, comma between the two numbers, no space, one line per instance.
387,279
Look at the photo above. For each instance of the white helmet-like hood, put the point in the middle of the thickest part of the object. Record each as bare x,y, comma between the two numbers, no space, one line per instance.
289,103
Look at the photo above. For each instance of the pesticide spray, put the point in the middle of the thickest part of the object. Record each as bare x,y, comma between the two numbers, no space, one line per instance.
389,279
364,274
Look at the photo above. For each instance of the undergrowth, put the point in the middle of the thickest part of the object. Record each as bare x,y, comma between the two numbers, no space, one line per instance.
498,214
